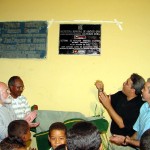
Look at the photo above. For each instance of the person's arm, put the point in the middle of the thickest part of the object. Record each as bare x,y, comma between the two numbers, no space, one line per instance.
132,140
3,129
125,140
106,102
30,117
117,139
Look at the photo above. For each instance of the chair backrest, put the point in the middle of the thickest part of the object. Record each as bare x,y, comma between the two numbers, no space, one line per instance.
101,123
42,140
70,122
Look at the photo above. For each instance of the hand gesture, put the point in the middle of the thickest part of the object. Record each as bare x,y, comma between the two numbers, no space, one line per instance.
117,139
33,125
104,99
31,116
99,85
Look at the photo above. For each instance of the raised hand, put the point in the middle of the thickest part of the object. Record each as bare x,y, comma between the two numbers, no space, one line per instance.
99,85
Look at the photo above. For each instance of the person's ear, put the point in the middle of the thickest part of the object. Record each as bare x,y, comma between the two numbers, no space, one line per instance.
133,90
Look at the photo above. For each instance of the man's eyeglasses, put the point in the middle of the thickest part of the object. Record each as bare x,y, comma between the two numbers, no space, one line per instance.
19,87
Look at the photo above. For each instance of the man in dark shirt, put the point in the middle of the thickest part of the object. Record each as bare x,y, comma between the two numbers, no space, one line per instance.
123,106
128,110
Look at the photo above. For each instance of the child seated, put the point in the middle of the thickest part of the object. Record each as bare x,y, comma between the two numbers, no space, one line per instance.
61,147
57,134
20,129
12,144
84,136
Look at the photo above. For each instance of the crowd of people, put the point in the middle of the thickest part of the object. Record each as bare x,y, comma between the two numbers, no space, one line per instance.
128,109
12,102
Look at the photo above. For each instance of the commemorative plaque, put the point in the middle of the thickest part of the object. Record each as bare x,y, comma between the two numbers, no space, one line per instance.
80,39
23,39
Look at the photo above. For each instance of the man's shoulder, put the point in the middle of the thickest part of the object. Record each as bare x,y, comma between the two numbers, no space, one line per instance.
145,106
118,98
118,95
21,96
19,99
3,108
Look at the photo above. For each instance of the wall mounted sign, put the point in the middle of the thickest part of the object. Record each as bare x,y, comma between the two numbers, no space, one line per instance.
23,39
80,39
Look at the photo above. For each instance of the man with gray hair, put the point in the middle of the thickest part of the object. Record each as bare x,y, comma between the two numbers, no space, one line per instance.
6,116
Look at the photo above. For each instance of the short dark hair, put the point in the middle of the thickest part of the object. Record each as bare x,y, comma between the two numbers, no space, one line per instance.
11,81
83,136
61,147
138,83
145,140
57,126
17,128
11,143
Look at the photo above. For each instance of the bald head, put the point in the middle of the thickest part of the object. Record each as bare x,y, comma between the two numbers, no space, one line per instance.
3,86
4,92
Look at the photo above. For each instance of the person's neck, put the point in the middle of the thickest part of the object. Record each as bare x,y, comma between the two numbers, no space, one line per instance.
148,101
13,95
130,97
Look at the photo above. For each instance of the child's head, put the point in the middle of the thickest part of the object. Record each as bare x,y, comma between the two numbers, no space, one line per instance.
19,128
12,144
61,147
83,136
57,134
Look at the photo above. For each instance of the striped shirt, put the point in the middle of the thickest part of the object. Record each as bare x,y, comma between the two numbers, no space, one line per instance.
20,106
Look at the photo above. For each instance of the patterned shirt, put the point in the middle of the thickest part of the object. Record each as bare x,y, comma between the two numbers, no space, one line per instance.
20,106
